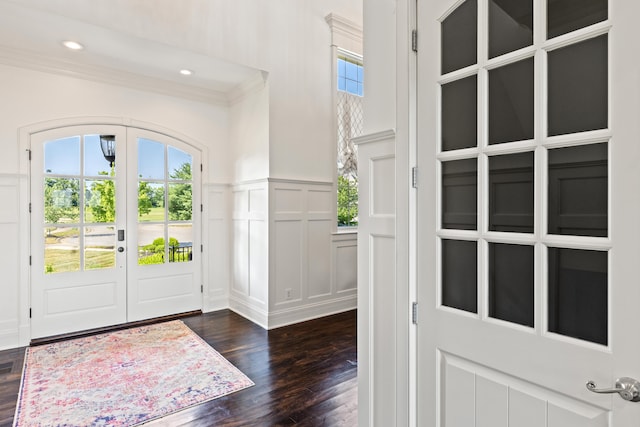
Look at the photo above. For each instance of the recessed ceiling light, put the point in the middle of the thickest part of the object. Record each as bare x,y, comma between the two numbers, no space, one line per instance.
186,72
70,44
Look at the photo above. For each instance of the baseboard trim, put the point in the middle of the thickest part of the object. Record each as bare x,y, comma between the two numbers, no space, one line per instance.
244,309
290,316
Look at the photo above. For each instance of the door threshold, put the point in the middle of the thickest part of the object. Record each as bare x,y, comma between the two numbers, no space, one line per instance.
104,329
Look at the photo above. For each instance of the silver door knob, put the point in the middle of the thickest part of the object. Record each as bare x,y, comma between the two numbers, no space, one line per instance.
627,388
120,249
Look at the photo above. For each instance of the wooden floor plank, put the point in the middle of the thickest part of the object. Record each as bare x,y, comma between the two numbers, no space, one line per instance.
305,374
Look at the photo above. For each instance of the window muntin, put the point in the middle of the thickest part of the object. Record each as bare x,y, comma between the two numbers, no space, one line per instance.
165,203
350,75
349,125
528,121
510,26
79,206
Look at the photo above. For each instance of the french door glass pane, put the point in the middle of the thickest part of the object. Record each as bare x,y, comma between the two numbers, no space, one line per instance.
459,194
100,200
99,247
511,193
459,37
151,205
578,190
510,25
61,249
511,102
95,163
578,294
61,200
152,245
564,16
180,202
511,292
62,156
179,164
459,277
151,158
181,242
577,87
459,114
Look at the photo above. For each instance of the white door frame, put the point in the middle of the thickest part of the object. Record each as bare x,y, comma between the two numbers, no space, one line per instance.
24,141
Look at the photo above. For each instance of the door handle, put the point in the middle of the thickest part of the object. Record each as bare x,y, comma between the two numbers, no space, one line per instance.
120,249
627,388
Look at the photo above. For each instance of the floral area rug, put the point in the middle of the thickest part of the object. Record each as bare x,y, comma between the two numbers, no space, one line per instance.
122,378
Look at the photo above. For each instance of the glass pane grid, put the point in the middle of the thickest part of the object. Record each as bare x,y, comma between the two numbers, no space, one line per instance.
79,208
165,204
536,48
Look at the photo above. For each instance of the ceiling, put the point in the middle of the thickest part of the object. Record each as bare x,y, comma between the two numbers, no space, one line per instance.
32,38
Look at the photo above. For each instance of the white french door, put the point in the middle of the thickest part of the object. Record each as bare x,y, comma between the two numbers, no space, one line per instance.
114,225
527,212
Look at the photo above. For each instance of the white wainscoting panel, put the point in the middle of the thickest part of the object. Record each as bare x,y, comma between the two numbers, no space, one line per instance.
289,200
12,224
217,247
10,302
287,260
345,262
302,222
377,293
381,296
240,282
383,195
319,258
249,289
284,267
478,396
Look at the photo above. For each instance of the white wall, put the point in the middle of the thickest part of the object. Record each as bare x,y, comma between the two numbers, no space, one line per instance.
287,38
274,130
379,103
31,97
249,131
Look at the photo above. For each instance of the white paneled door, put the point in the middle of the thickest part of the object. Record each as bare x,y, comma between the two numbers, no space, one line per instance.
115,226
527,213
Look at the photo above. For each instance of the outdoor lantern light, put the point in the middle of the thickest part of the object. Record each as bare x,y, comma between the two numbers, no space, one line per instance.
108,145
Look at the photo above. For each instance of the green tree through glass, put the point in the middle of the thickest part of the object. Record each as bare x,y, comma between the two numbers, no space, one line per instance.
180,194
61,200
102,199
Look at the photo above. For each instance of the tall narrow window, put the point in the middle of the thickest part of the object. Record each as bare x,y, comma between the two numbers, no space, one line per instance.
349,125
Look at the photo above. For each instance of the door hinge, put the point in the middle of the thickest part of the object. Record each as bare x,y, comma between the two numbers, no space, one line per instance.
201,289
29,259
414,313
201,208
29,152
201,248
29,312
414,177
414,41
29,207
201,168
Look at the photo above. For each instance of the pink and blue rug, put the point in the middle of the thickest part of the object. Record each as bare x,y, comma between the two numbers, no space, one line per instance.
122,378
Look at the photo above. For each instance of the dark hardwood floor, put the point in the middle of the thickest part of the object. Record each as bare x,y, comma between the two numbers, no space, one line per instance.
305,374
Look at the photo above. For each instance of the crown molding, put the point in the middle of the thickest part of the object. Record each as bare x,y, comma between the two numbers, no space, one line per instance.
250,86
345,33
29,60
